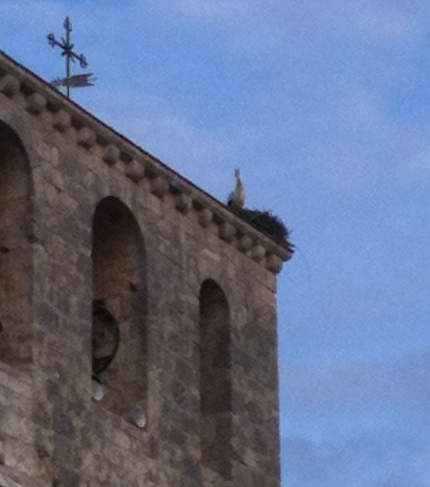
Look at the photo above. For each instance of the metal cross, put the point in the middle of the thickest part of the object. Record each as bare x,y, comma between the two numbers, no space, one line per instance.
70,55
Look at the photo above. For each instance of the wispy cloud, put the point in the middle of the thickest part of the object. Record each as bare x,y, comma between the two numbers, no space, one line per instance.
357,142
349,385
349,122
255,25
381,458
378,21
315,102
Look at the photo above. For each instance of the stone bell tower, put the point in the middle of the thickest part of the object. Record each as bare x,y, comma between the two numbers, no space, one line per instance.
138,343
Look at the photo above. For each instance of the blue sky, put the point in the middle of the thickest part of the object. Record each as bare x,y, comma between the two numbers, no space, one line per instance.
325,107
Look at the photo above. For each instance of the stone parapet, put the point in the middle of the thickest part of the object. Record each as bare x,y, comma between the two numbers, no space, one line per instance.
120,154
102,245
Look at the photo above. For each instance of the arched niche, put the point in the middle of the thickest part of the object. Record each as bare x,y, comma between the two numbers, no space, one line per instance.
119,301
215,379
16,329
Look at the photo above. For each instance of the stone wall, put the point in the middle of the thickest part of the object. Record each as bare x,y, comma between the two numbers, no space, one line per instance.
155,242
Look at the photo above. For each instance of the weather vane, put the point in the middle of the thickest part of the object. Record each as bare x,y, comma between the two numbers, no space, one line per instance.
78,80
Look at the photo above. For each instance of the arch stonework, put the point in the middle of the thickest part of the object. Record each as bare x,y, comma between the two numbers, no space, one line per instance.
119,285
16,277
84,179
215,378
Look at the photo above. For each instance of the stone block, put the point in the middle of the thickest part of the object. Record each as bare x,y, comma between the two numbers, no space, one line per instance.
183,202
135,170
245,243
160,243
159,186
36,103
258,253
205,217
274,263
9,85
86,137
227,231
62,121
111,154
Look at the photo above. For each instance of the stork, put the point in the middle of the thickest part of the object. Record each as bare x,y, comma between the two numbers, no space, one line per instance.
237,197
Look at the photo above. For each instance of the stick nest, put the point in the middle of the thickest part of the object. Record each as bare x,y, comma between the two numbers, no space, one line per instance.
267,223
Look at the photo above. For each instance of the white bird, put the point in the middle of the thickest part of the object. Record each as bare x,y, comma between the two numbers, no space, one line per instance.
237,197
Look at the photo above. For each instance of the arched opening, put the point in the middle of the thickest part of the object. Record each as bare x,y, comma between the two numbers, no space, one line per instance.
215,379
15,250
119,332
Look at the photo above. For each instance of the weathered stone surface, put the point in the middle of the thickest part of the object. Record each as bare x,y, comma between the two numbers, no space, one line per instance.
36,103
227,231
111,154
183,202
75,228
159,186
62,120
135,170
258,253
7,481
245,243
86,137
274,263
205,217
9,85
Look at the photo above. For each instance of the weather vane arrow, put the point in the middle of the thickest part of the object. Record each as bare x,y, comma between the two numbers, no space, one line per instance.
76,81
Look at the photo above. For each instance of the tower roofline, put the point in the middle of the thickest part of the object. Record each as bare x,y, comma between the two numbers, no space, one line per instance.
38,96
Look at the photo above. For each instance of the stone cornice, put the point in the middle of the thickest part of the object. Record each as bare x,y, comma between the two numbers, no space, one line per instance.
18,82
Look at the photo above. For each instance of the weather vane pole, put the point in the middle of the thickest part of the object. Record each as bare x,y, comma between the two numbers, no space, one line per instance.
77,81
